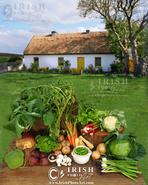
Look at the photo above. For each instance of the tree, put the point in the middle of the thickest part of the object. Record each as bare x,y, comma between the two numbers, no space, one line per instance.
142,39
145,45
113,11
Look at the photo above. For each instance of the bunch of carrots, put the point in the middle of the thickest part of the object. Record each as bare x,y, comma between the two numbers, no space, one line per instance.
72,133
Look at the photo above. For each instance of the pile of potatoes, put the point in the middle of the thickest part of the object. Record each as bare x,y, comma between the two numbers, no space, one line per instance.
100,150
64,146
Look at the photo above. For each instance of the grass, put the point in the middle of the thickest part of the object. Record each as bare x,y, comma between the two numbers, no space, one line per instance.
105,93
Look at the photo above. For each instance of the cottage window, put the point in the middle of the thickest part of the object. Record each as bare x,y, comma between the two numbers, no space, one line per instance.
97,61
60,61
36,59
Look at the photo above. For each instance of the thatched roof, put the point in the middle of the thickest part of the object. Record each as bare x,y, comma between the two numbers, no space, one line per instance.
69,43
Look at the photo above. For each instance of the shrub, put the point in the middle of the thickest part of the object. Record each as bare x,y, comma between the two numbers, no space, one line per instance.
93,70
74,71
24,68
118,67
66,68
34,67
53,71
15,59
44,69
67,64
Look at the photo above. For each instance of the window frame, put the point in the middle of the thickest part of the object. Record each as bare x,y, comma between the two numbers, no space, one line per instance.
60,65
100,62
35,59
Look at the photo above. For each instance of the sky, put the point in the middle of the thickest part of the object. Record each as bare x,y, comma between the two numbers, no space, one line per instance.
21,19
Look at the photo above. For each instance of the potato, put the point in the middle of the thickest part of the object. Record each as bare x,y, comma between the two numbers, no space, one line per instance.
101,148
59,147
57,152
61,138
66,150
96,155
65,143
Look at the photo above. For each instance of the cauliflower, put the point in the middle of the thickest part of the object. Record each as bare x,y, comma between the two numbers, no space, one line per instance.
109,123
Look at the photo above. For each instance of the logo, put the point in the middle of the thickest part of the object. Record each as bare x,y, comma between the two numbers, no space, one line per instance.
7,10
55,174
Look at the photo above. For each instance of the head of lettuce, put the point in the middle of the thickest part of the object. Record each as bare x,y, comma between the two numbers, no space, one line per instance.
14,159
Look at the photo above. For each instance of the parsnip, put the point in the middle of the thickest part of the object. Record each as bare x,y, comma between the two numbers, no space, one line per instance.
81,143
89,144
77,143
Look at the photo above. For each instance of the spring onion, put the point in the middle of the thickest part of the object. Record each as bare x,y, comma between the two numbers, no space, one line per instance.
126,167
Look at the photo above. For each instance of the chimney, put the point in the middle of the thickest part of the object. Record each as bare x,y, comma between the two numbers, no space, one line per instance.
87,31
53,33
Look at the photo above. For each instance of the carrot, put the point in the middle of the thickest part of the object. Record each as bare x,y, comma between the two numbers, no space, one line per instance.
72,133
70,139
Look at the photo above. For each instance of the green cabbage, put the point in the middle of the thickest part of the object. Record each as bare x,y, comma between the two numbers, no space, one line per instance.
14,159
120,148
124,147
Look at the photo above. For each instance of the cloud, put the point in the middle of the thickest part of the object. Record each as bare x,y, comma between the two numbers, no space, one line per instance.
41,17
100,27
50,11
14,41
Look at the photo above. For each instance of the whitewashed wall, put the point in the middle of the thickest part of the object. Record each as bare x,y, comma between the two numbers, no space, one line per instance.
51,61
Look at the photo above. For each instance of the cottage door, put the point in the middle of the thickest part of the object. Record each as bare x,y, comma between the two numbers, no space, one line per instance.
80,64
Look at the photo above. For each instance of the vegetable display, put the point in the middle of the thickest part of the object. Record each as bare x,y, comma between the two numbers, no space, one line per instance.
51,129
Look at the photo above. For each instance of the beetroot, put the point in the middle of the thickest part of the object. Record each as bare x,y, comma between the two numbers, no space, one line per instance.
42,155
27,135
33,161
44,161
35,154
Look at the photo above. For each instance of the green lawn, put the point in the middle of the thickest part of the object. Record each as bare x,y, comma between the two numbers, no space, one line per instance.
106,93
